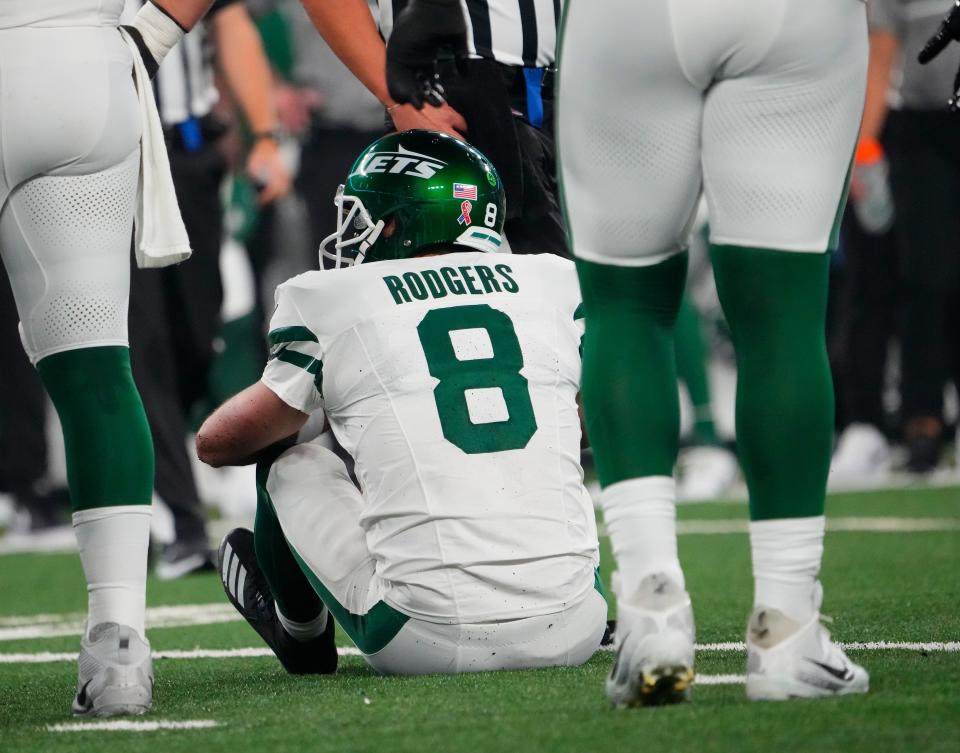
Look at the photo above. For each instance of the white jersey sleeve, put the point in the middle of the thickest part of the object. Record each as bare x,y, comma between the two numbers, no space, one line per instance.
295,369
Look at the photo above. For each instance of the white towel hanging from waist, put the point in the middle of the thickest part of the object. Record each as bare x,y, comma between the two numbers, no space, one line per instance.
160,238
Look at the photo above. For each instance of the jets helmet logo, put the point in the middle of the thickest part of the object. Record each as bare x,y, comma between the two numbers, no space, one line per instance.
400,162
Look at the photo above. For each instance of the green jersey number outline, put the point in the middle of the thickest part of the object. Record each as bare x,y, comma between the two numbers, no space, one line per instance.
455,377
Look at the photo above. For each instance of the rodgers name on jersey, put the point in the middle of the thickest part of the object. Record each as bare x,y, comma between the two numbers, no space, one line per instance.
477,279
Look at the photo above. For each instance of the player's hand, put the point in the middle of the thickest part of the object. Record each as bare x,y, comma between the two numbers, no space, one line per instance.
295,106
443,118
269,172
422,30
949,31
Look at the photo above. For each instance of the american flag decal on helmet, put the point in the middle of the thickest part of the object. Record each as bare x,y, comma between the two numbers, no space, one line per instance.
464,191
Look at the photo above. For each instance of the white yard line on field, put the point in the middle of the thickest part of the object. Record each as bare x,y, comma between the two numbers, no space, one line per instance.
24,627
46,657
61,539
848,525
720,680
124,725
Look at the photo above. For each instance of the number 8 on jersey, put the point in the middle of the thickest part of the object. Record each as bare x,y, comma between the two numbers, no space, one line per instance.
475,379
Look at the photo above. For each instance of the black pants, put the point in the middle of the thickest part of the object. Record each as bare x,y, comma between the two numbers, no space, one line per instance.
867,320
23,442
492,99
174,318
924,152
325,161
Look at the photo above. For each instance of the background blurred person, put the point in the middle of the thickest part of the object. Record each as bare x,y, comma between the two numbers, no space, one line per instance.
345,118
923,149
705,468
175,312
36,504
502,102
867,302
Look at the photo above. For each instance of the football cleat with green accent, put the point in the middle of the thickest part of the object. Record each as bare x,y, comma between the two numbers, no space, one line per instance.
654,645
115,674
788,659
248,591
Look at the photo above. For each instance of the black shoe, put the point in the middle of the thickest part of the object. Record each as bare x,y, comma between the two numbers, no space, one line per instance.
184,558
923,453
41,508
248,591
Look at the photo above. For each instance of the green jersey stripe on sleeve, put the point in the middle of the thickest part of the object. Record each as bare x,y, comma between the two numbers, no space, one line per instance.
307,363
291,334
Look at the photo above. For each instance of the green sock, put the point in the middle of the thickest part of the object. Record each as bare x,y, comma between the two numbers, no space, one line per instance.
291,590
775,303
109,449
692,370
629,385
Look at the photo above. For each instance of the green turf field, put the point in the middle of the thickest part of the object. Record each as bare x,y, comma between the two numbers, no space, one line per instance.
900,585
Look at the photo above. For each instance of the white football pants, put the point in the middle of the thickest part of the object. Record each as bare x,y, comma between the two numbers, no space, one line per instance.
757,103
69,165
319,510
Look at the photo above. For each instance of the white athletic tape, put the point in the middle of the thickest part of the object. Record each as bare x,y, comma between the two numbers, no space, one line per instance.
124,725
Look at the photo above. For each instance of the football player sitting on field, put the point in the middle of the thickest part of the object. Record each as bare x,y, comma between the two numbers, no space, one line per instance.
449,373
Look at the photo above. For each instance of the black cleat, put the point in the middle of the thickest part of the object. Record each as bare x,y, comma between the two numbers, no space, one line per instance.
248,591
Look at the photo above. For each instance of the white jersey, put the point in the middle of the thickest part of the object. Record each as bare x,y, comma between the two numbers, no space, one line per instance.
452,381
58,13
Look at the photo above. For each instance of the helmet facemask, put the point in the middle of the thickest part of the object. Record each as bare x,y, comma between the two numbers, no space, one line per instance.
356,232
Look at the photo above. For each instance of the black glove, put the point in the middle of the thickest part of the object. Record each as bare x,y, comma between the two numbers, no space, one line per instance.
948,32
149,61
422,30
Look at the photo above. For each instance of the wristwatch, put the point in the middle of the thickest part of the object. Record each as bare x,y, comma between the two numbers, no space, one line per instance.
273,134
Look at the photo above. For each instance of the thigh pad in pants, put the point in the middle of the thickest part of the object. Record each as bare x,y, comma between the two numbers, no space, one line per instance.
760,104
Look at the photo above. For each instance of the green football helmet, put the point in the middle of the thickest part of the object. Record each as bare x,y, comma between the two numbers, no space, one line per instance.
437,190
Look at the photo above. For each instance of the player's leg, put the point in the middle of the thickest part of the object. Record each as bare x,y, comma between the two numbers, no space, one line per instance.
562,639
317,506
629,136
70,272
65,240
777,141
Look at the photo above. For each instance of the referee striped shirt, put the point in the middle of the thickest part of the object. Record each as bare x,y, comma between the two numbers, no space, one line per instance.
184,86
513,32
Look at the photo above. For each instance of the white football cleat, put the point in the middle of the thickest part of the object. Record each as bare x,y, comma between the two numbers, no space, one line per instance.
116,672
788,659
862,457
653,665
706,473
